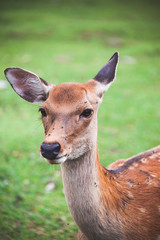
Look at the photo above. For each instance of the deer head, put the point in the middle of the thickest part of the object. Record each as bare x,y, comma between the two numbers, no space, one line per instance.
68,110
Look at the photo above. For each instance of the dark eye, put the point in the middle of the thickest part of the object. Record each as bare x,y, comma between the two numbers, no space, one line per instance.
43,112
87,113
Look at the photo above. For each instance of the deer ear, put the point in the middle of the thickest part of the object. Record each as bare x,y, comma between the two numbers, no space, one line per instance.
28,85
106,75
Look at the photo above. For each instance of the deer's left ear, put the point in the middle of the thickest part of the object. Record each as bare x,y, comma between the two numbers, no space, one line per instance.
106,75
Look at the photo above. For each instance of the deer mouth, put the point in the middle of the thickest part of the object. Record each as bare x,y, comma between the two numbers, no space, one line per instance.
57,160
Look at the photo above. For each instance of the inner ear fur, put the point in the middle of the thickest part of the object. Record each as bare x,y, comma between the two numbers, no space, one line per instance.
28,85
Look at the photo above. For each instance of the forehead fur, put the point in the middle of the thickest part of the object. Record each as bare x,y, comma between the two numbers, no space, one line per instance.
68,93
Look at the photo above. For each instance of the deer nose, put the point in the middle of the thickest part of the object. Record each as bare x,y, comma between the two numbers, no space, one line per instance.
50,151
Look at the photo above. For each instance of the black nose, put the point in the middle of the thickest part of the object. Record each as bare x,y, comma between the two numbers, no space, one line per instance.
50,151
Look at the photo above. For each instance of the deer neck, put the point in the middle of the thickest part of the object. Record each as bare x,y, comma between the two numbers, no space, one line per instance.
84,182
79,179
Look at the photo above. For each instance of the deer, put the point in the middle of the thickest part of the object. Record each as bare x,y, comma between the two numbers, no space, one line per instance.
120,202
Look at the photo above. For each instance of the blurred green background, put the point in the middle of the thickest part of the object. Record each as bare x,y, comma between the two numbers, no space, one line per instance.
71,41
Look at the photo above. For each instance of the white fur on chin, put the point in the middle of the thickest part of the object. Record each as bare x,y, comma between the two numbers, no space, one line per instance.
58,161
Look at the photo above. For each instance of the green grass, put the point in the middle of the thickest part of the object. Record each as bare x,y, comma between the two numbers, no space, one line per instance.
70,41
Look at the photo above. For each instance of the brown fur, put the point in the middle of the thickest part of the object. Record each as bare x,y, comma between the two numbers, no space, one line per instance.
132,194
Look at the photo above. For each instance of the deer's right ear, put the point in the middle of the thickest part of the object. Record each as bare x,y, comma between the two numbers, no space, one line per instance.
28,85
106,75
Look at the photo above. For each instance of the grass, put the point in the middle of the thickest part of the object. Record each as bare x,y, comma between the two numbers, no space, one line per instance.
70,41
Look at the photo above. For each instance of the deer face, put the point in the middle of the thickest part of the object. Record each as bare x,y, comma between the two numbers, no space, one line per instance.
69,119
69,110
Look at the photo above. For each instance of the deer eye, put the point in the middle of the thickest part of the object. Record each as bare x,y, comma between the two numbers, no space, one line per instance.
87,113
43,112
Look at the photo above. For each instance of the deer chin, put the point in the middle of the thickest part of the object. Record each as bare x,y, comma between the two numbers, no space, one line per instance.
59,160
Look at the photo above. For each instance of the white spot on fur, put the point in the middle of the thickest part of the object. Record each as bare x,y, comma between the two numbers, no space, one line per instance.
129,194
152,175
143,160
153,156
130,184
143,210
121,164
152,182
135,165
131,168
